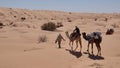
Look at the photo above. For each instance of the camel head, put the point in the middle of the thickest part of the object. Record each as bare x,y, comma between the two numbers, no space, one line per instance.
66,32
84,35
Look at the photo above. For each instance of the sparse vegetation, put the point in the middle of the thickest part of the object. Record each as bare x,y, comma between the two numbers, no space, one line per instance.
106,19
14,25
52,19
70,12
95,19
15,16
50,26
110,31
42,38
1,24
69,20
1,14
23,18
59,24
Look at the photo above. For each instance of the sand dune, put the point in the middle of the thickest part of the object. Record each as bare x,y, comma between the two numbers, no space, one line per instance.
19,47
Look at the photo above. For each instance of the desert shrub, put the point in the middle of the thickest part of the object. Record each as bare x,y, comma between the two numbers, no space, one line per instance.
11,23
52,19
1,24
95,19
2,14
70,12
15,16
23,18
14,25
59,24
42,38
11,13
69,20
50,26
110,31
106,19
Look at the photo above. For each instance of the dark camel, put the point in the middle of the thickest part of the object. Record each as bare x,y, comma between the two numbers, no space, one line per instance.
93,38
109,31
73,37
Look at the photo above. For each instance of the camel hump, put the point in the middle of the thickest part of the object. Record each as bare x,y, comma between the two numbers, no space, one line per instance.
74,35
96,35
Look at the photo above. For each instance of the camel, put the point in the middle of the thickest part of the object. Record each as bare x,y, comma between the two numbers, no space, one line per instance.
109,31
96,38
72,39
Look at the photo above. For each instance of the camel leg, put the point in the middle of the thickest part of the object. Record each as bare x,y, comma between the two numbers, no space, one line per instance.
92,48
72,46
99,49
76,45
88,47
80,44
70,43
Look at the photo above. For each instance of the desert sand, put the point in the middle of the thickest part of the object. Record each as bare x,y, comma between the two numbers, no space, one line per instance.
19,47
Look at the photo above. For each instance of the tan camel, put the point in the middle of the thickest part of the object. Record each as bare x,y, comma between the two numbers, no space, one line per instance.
93,38
72,39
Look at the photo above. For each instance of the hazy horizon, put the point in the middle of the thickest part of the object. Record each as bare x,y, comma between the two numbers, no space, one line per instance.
90,6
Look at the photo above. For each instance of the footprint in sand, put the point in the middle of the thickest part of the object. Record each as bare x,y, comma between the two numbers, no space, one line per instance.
96,65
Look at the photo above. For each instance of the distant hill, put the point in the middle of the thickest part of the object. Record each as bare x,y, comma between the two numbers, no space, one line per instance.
10,16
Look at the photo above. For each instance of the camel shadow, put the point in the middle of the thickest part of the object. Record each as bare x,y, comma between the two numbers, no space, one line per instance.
75,53
94,57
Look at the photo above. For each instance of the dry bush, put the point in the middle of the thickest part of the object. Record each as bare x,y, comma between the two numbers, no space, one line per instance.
69,20
70,12
2,14
42,38
59,24
15,16
110,31
50,26
106,19
1,24
95,19
23,18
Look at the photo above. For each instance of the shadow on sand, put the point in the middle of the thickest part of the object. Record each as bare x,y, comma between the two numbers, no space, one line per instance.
94,57
75,53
